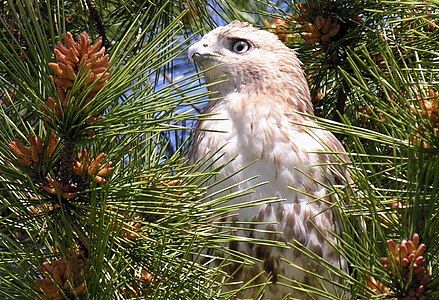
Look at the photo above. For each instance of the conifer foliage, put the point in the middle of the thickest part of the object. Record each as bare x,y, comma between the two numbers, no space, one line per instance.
97,200
67,177
93,206
371,65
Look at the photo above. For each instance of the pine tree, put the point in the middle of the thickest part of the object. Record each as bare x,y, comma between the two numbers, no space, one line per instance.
372,65
96,198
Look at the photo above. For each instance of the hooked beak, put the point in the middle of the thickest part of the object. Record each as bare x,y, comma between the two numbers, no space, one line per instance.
198,51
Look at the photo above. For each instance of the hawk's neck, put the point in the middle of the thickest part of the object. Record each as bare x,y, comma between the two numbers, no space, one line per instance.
289,101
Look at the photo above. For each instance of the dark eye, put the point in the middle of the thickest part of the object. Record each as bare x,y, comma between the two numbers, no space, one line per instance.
240,46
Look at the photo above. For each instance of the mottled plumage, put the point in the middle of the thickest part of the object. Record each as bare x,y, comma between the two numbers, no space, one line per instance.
257,122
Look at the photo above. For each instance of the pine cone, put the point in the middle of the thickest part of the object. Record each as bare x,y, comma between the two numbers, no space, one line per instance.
63,275
406,261
431,26
93,168
29,155
321,31
377,286
66,191
429,109
79,59
280,28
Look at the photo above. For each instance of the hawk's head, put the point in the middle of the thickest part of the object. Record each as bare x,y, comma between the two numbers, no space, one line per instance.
249,60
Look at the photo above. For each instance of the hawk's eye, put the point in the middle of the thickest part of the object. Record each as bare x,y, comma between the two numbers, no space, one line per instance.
240,46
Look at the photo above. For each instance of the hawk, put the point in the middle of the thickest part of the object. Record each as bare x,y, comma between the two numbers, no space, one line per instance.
260,124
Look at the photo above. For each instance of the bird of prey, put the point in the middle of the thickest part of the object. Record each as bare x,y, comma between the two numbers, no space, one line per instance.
260,125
